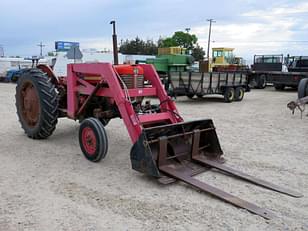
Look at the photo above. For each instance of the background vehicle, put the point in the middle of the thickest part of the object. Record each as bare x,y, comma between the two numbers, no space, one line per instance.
223,59
275,70
231,85
181,77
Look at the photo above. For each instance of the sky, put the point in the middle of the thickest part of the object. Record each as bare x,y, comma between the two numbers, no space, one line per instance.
251,27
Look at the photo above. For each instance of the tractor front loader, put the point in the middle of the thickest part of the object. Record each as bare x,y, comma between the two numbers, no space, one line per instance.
164,146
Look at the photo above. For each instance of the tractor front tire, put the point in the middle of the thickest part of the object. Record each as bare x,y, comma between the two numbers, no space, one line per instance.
229,95
93,139
36,104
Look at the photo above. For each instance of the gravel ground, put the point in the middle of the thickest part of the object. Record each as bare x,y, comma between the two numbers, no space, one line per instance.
49,185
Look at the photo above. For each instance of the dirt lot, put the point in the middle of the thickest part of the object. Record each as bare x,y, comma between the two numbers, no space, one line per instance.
49,185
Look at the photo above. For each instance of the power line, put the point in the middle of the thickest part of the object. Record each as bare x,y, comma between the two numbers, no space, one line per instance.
41,45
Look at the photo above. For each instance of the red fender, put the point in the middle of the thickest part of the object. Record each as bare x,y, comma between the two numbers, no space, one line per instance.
47,69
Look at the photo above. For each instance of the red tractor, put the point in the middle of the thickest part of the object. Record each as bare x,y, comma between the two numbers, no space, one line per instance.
164,146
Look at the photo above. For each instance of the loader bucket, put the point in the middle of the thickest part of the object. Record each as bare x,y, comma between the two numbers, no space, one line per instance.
178,142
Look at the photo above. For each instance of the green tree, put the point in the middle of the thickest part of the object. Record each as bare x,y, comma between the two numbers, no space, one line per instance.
198,53
138,47
185,40
179,38
167,42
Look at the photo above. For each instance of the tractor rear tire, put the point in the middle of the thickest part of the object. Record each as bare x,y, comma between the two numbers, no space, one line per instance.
229,95
239,94
303,88
93,139
36,104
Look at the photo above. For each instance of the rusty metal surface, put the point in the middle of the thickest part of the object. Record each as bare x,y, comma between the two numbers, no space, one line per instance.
298,104
30,106
182,152
246,177
182,175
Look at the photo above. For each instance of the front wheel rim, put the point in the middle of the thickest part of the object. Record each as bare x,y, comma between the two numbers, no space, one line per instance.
89,140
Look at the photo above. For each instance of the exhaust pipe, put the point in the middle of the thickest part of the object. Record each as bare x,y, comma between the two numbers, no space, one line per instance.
115,44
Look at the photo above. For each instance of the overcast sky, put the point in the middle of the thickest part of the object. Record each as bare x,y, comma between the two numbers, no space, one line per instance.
263,26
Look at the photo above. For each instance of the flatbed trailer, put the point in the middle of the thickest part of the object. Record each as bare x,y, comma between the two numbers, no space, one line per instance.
276,70
280,80
231,85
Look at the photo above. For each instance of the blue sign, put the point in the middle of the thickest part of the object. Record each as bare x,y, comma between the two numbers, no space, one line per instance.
65,46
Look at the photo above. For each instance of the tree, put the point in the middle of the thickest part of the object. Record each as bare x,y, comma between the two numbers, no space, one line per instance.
185,40
167,42
181,39
198,53
138,47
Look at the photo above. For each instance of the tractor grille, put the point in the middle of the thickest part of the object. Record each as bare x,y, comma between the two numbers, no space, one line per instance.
130,83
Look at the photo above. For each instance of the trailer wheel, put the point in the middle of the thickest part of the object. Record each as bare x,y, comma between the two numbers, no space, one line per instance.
261,84
200,96
36,104
279,87
303,88
229,95
93,139
239,94
190,95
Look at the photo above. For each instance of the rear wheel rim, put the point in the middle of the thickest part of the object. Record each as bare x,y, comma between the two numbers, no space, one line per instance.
89,140
30,106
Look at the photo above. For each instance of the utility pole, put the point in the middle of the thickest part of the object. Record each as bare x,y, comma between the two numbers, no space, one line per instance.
1,51
41,45
209,41
115,44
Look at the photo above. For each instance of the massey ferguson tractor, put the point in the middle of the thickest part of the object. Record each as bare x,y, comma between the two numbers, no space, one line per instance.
164,146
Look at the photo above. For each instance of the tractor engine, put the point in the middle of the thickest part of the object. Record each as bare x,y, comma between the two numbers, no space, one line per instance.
131,76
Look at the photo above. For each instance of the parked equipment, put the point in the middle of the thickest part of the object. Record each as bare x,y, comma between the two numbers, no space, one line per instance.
224,60
232,85
276,70
13,75
164,146
178,75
